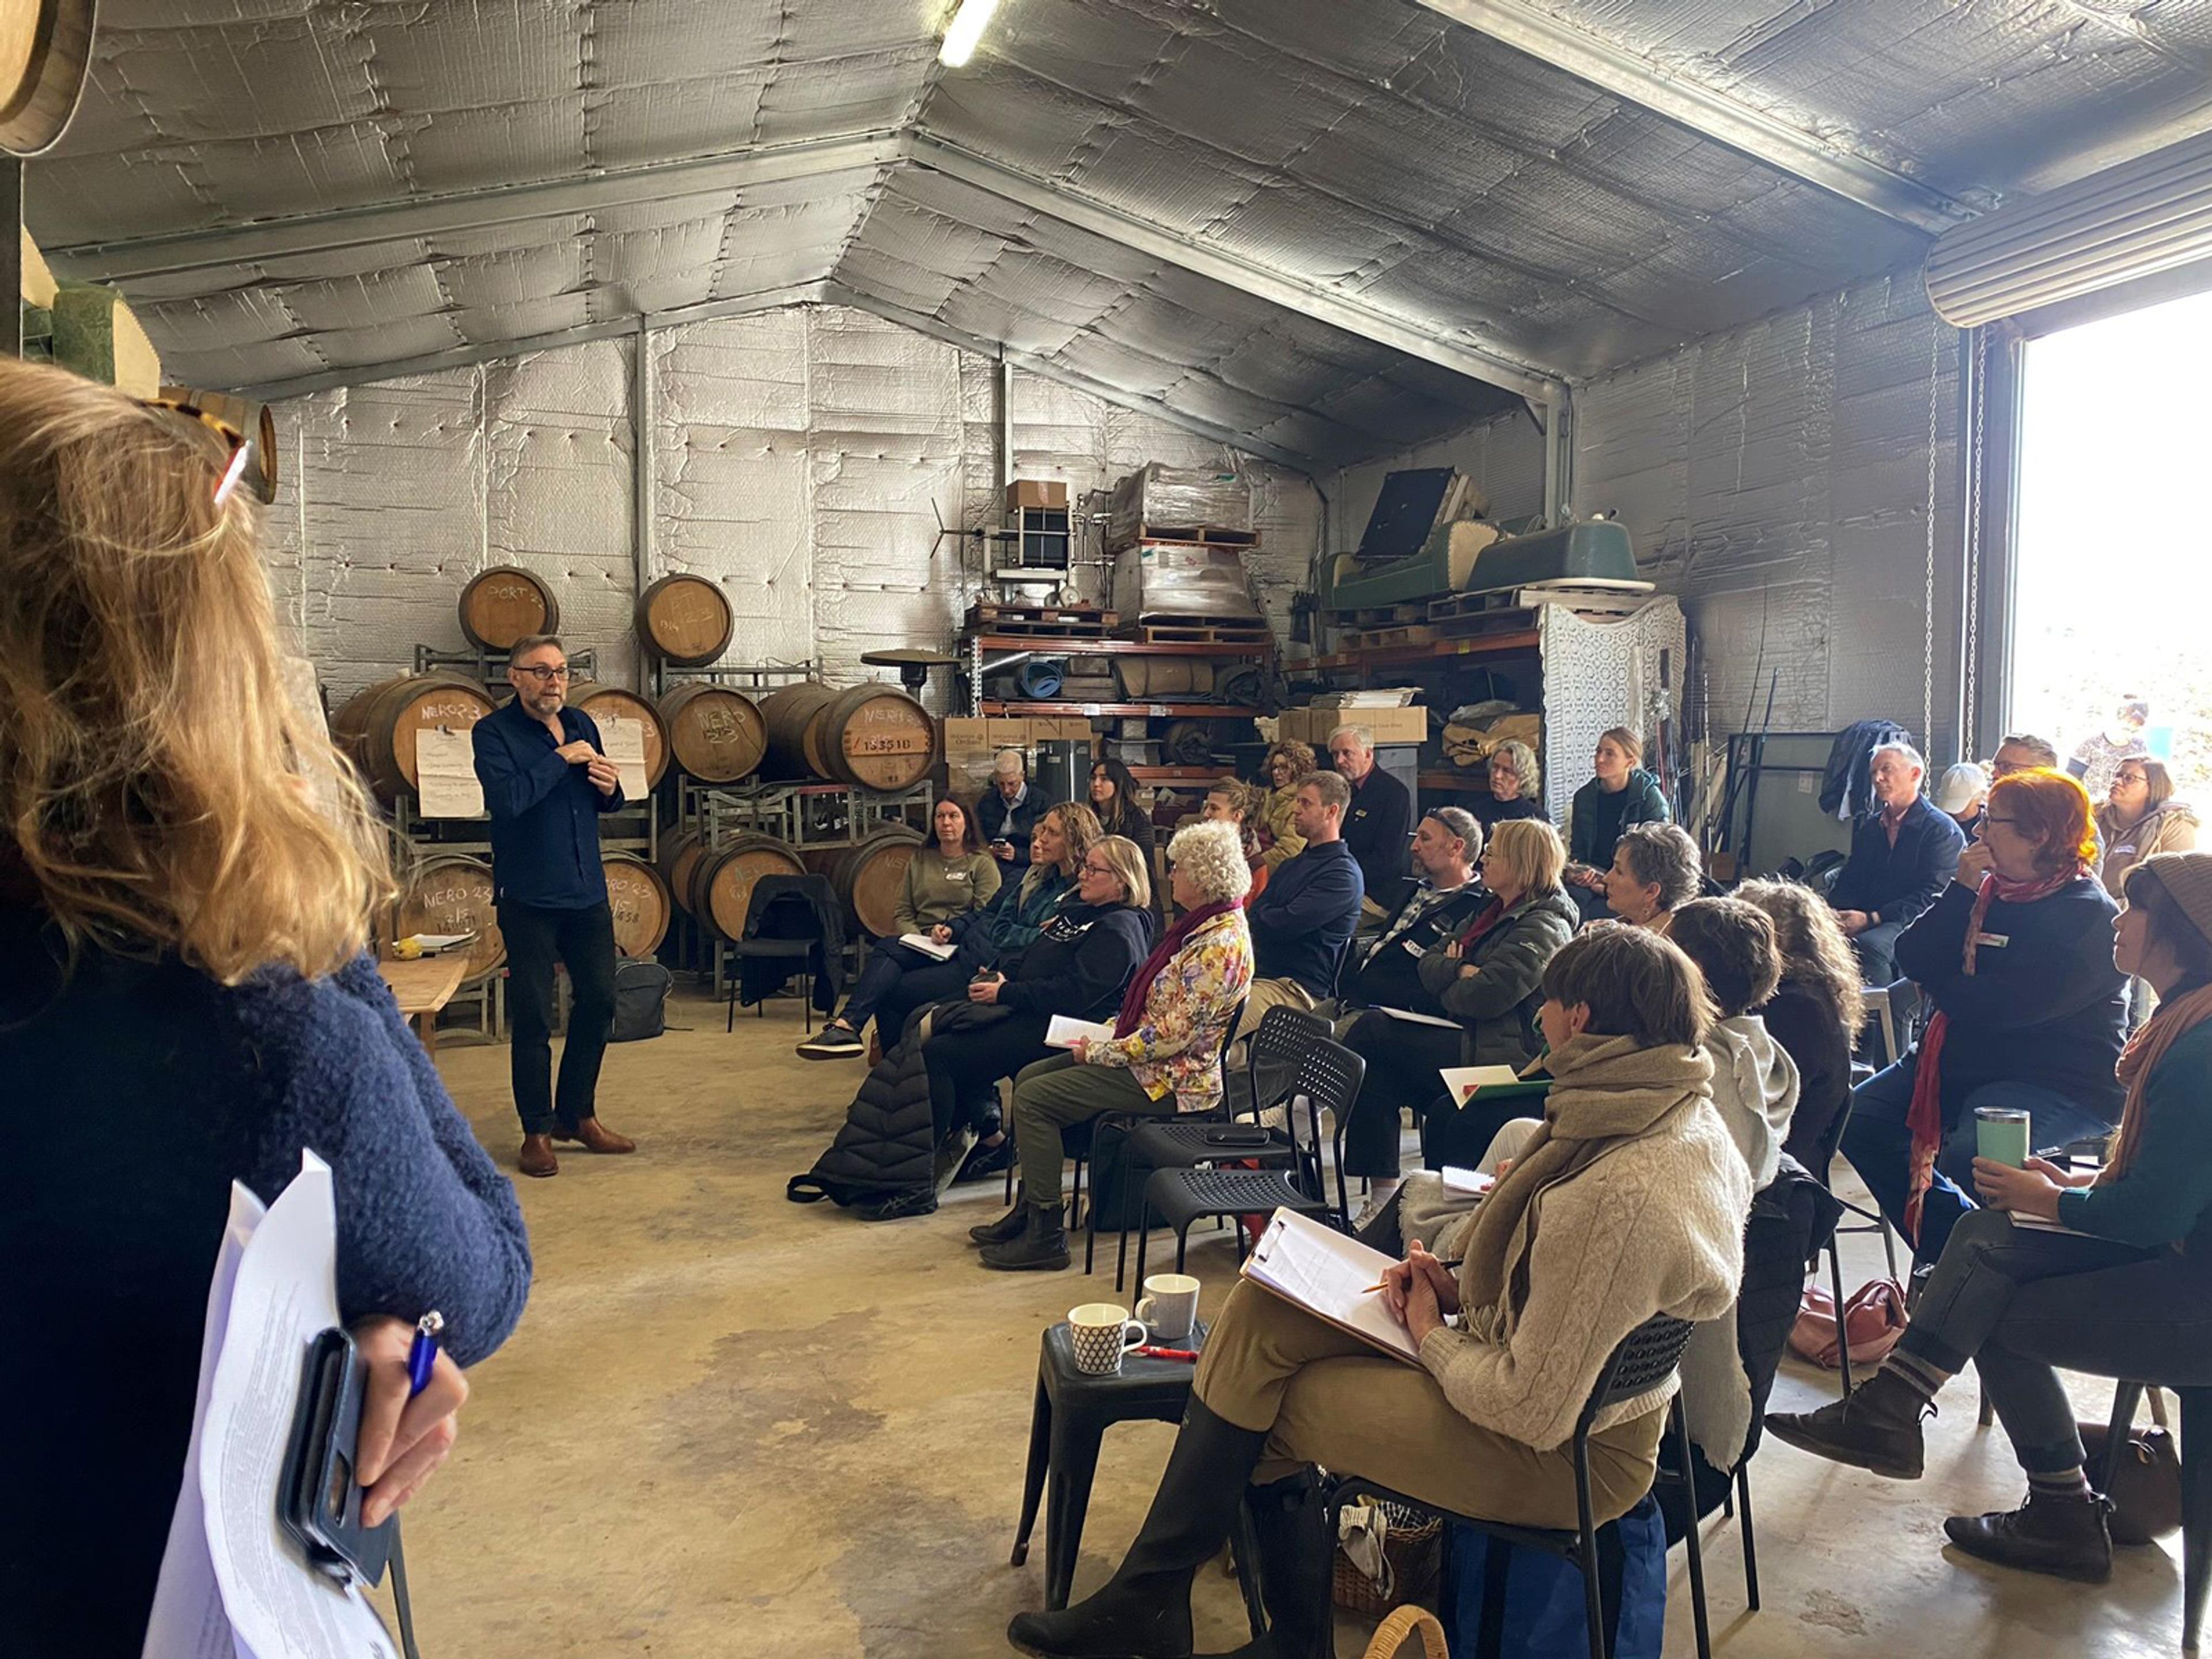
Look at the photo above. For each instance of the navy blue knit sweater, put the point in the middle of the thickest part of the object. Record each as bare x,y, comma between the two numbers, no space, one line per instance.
137,1092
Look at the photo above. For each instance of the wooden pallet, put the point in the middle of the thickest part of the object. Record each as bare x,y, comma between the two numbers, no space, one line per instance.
1203,535
1198,630
1381,616
1085,621
1382,639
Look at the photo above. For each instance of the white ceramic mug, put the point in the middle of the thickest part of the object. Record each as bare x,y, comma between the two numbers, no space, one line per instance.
1102,1334
1170,1306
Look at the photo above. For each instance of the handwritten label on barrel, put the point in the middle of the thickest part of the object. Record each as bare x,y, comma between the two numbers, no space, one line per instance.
446,776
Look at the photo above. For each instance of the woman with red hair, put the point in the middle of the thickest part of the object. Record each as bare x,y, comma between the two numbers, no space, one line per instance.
2015,957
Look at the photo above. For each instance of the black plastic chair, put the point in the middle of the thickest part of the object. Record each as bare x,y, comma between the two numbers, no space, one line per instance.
1270,1072
1871,1221
2195,1489
1645,1358
1327,1079
783,923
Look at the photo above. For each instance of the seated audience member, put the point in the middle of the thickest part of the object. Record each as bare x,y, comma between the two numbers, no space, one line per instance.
2029,1009
1008,812
1641,1210
996,935
1903,853
1079,965
1814,1013
1379,817
1231,802
2100,755
1654,867
1755,1083
1513,784
1489,978
1114,799
187,875
1164,1056
950,878
2140,819
1289,764
1427,910
1301,925
2122,1293
1619,796
1960,794
2022,751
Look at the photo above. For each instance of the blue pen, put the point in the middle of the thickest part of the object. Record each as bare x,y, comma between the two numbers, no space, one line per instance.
423,1356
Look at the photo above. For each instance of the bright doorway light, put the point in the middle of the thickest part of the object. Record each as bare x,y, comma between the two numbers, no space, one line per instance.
969,21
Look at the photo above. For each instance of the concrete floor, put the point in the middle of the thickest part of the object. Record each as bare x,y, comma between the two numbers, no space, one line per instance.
730,1425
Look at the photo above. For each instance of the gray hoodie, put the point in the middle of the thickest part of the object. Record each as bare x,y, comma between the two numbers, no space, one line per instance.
1755,1090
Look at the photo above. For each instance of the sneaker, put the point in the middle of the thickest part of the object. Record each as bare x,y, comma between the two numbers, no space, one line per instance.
915,1200
984,1162
832,1042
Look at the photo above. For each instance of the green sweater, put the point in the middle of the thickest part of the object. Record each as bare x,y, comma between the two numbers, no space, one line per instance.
938,887
2167,1189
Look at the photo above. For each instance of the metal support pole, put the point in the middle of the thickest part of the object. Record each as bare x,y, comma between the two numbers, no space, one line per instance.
1006,431
1558,456
11,253
642,486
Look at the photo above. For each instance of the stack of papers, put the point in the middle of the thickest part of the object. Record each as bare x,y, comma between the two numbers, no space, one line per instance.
929,946
1468,1183
1065,1033
1331,1276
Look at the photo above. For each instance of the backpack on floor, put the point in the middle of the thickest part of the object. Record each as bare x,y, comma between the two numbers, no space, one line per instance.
640,1000
1545,1615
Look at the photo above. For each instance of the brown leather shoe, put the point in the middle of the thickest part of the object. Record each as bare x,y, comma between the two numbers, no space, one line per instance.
595,1137
538,1158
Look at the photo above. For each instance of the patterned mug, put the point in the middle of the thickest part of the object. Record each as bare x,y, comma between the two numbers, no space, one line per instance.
1102,1334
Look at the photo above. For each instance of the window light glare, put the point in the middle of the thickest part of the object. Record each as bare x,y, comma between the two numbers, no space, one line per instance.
966,29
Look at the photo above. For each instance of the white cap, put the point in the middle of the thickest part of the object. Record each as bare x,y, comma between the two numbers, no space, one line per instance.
1960,787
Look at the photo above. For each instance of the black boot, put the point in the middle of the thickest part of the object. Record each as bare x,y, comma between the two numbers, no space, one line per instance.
1041,1247
1877,1427
1296,1563
2065,1537
1144,1611
1007,1228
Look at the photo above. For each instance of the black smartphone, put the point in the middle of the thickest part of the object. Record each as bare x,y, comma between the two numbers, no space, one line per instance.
318,1497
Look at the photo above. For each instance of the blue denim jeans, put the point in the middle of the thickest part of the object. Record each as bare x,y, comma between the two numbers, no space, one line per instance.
888,963
1880,1146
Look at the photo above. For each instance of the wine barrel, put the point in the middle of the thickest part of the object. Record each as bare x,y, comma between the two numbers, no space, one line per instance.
722,881
505,603
244,415
870,874
601,702
679,861
713,731
639,899
871,736
686,620
452,893
380,726
46,49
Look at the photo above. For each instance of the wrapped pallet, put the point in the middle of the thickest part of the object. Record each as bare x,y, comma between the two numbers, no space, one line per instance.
1158,498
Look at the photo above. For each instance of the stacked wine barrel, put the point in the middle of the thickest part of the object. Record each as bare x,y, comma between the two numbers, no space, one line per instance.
869,876
602,703
379,726
452,893
506,604
870,735
719,885
715,731
640,901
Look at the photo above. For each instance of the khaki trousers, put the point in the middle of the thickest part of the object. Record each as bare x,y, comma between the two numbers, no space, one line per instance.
1054,1094
1266,994
1328,1398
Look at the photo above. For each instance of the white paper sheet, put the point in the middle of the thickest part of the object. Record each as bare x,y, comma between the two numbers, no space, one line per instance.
1461,1081
241,1575
929,946
1326,1274
1062,1032
1469,1183
446,774
1412,1018
624,741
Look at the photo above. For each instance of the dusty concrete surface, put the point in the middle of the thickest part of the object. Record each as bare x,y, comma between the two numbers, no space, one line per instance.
730,1424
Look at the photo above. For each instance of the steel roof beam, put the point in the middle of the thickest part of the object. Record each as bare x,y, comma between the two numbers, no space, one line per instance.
836,292
1708,113
349,227
1454,351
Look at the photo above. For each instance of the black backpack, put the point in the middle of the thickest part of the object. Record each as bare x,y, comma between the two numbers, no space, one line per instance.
640,1000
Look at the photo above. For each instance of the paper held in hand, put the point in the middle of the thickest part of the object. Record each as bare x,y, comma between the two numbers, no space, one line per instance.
1461,1081
1331,1277
1063,1032
446,774
929,946
624,741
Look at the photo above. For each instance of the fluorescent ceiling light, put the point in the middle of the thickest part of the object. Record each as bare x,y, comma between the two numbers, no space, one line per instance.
968,23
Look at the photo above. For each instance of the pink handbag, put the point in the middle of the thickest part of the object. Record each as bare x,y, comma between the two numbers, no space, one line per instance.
1874,1320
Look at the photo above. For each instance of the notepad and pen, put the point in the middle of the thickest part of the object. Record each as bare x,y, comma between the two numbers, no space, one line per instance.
1065,1033
1496,1083
1331,1277
929,946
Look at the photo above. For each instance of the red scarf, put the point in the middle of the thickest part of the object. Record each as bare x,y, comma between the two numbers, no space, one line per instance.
1482,924
1140,983
1925,1117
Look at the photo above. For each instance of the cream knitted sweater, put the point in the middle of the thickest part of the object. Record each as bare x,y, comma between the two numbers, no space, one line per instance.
1654,1224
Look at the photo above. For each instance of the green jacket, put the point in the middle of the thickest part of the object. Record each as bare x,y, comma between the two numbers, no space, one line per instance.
937,888
1497,1004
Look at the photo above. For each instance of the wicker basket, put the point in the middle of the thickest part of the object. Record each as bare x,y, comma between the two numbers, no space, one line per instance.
1415,1548
1389,1638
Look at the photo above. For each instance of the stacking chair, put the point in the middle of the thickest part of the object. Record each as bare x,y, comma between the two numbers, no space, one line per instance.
1870,1221
783,924
2196,1488
1645,1359
1327,1079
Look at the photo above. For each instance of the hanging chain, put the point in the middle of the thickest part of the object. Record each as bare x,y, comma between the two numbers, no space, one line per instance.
1927,604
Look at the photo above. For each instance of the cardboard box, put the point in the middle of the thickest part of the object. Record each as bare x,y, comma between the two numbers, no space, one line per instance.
1035,492
1313,725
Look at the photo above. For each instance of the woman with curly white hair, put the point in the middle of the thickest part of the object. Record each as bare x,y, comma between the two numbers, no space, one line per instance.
1165,1056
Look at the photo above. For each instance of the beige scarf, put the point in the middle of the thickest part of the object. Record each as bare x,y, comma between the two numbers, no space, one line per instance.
1605,1089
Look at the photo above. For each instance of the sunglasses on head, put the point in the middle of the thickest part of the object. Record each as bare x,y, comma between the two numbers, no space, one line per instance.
239,448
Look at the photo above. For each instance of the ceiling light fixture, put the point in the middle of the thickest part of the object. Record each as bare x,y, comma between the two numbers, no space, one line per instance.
969,19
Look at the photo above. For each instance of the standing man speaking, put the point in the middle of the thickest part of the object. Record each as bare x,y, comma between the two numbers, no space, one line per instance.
545,782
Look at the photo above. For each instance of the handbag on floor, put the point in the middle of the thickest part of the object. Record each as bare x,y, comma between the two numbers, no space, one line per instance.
1874,1320
2146,1490
1545,1613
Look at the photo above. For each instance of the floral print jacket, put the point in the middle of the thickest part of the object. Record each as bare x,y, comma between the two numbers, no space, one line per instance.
1177,1046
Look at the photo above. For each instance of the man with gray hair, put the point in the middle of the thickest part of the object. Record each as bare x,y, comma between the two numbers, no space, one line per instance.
1904,854
1427,910
1008,813
1380,817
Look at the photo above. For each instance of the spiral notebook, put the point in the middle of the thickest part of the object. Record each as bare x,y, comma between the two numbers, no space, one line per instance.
1330,1276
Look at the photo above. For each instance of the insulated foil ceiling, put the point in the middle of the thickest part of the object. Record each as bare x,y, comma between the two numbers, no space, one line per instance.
1346,204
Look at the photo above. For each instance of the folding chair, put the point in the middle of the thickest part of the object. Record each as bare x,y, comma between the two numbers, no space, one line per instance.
783,923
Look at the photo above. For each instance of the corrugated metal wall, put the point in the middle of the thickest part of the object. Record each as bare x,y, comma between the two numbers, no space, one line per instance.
802,457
